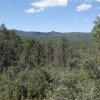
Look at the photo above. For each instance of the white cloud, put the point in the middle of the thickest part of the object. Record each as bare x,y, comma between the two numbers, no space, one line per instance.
98,0
32,10
84,7
98,15
42,4
50,3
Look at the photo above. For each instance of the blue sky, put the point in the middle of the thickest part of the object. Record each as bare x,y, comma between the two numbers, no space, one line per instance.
49,15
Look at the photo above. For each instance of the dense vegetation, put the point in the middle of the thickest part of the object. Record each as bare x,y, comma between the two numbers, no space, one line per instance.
35,70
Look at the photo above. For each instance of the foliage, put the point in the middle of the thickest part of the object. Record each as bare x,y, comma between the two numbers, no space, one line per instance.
96,32
35,70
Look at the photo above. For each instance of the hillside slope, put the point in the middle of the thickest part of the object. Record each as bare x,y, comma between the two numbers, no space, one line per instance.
74,37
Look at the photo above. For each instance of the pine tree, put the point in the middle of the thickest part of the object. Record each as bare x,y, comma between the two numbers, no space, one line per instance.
96,32
62,52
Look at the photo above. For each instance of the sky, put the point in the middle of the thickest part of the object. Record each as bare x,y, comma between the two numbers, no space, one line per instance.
49,15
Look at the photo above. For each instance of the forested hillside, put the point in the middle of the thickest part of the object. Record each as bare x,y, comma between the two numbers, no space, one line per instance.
35,70
73,37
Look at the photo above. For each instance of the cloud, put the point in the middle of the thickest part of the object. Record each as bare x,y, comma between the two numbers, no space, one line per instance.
84,7
50,3
32,10
98,15
98,0
42,4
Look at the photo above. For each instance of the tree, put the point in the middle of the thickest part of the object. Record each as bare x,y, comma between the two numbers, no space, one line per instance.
49,51
62,52
96,32
33,54
10,48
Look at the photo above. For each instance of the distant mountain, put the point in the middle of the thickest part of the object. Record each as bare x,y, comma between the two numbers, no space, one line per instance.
74,37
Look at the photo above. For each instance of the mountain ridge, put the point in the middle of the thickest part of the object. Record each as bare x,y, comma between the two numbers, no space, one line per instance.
78,37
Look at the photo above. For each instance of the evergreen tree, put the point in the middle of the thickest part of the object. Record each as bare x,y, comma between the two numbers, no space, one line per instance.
49,51
62,52
9,48
96,32
33,54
